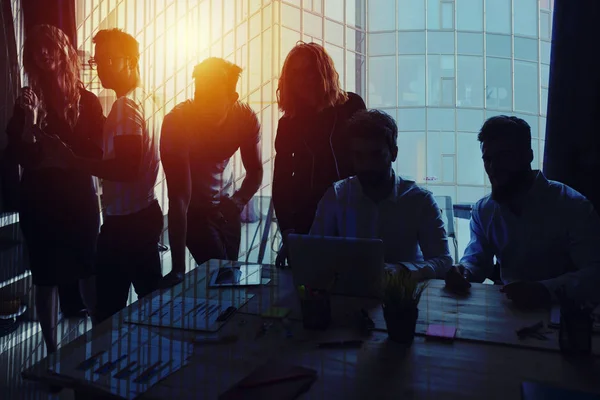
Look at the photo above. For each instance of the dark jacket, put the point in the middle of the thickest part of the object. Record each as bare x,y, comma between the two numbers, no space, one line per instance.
311,154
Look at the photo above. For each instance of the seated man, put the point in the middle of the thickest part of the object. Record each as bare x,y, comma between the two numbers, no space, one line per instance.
378,204
544,234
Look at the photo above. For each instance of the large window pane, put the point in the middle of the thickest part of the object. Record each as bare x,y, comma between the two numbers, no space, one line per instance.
497,16
441,156
469,120
440,119
382,81
355,13
440,80
433,14
544,102
469,15
532,120
381,15
411,14
290,17
411,80
334,33
469,43
469,164
334,9
313,25
440,43
382,43
498,84
545,25
526,16
470,88
411,162
526,49
411,119
498,45
526,87
355,73
337,54
411,42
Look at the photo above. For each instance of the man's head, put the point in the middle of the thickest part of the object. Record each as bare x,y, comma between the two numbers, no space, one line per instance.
216,81
374,135
116,55
507,155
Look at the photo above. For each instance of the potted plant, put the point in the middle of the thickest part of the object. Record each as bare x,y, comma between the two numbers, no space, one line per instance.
401,296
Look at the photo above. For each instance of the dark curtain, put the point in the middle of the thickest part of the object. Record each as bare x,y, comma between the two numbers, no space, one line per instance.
10,81
572,150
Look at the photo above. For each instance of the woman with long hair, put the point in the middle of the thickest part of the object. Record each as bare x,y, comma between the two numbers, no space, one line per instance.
58,206
312,151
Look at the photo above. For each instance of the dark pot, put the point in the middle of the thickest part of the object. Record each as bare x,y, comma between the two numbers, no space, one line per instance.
401,323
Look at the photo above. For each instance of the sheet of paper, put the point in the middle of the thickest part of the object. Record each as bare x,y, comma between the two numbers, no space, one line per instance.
183,312
136,360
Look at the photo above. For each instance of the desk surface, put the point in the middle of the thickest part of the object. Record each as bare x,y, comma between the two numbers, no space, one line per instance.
473,367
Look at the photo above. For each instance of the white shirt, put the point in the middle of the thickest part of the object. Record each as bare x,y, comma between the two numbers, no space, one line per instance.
132,114
555,240
409,222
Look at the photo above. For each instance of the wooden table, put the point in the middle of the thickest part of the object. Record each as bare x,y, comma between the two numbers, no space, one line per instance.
487,360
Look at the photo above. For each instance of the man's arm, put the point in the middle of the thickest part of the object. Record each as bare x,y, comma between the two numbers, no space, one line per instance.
175,161
252,160
325,223
433,241
478,258
123,165
584,244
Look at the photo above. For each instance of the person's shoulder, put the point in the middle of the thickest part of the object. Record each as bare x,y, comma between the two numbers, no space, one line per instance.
484,205
354,103
566,195
346,188
244,118
178,112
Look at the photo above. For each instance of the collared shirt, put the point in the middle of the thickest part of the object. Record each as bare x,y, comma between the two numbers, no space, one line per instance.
132,114
555,240
408,221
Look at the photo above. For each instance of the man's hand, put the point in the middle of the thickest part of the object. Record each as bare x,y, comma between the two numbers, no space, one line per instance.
171,279
457,278
527,294
56,154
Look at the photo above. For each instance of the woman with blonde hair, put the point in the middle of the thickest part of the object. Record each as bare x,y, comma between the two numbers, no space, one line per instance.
58,206
312,151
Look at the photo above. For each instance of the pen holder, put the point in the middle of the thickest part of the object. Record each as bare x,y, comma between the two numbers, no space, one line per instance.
316,310
575,334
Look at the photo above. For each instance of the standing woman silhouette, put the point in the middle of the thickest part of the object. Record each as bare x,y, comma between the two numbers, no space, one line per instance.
58,208
312,151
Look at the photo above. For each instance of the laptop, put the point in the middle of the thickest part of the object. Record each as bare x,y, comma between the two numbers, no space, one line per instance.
359,264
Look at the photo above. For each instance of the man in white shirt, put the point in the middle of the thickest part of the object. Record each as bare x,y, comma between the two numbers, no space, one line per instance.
544,235
127,251
378,204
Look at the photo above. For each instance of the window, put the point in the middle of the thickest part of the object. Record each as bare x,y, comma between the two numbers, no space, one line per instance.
355,13
470,88
544,102
469,15
412,165
469,43
532,120
497,16
525,17
334,9
441,86
411,119
526,49
544,75
498,84
381,15
469,166
411,14
526,87
355,73
355,40
440,43
411,42
334,33
290,17
469,120
498,45
411,80
382,81
337,54
545,25
440,119
447,14
313,25
382,44
441,156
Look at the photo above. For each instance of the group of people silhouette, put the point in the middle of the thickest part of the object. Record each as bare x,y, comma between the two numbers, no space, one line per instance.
333,176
